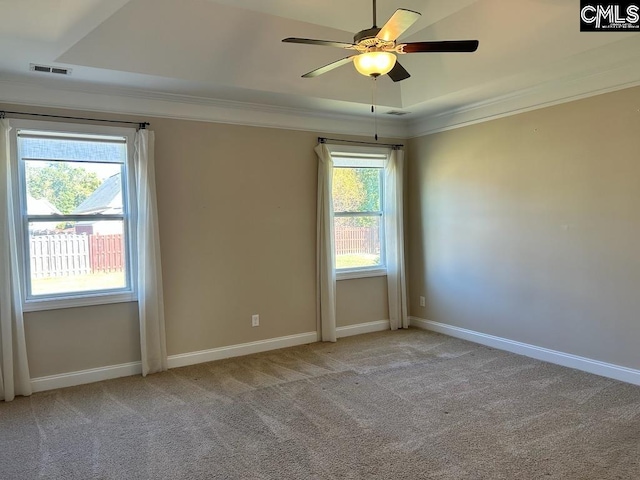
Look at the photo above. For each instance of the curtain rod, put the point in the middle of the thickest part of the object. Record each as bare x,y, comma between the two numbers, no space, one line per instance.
141,125
392,145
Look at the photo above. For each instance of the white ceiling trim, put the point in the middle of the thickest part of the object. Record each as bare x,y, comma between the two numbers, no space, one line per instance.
540,96
185,107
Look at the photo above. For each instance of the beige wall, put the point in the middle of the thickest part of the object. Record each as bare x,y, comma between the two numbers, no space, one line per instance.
237,212
527,227
373,302
237,209
68,340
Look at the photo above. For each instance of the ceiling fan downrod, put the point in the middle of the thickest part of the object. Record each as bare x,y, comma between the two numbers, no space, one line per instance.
375,22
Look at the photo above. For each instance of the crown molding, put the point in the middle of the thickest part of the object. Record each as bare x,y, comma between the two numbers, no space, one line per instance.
568,89
186,107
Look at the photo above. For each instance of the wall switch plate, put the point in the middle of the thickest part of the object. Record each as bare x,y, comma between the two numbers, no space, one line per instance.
255,320
422,302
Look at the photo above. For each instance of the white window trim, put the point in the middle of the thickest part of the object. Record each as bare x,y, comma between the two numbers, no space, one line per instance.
375,154
79,299
353,273
97,298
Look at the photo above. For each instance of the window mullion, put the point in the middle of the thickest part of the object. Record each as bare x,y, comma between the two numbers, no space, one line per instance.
357,214
73,218
63,160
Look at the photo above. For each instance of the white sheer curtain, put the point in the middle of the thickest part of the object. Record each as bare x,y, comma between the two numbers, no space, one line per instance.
394,235
150,297
14,368
325,261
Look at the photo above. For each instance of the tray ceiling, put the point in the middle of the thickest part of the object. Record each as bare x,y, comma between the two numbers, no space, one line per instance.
231,50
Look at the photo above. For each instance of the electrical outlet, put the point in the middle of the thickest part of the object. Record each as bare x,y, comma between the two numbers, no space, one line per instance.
255,320
422,302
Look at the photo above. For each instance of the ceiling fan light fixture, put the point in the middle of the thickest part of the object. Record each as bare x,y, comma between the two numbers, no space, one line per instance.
374,64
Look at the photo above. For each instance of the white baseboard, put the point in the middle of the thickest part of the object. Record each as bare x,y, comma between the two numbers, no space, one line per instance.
596,367
182,360
85,376
369,327
220,353
81,377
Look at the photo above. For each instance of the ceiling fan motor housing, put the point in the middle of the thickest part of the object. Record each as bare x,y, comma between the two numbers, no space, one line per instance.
366,34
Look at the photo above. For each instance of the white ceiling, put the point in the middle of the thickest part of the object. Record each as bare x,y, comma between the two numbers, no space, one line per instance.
231,50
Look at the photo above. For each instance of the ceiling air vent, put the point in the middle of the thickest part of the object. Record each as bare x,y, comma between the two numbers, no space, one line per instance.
47,69
397,113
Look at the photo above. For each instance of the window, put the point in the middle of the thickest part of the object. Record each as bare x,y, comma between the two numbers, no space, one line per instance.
358,199
75,214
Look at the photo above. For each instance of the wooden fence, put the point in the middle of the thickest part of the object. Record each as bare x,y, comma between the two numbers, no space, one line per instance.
107,253
72,254
58,255
357,240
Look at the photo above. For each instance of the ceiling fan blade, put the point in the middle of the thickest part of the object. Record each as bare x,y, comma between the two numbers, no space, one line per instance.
398,73
451,46
328,67
399,22
324,43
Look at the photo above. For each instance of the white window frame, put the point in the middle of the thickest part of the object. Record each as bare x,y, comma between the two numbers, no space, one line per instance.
354,156
85,298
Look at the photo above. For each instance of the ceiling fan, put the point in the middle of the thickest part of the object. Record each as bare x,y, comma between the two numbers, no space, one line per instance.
377,47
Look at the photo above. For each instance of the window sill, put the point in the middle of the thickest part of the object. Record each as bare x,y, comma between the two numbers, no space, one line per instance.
78,301
365,273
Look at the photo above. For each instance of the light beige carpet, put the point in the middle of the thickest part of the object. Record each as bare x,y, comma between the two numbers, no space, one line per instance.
393,405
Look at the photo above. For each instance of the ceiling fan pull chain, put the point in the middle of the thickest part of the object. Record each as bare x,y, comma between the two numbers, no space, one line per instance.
374,109
373,97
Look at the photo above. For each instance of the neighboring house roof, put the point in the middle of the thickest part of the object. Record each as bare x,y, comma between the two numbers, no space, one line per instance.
41,206
106,199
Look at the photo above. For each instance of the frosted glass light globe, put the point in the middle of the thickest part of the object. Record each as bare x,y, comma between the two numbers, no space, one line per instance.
374,64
